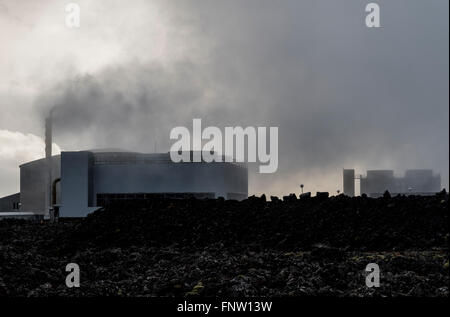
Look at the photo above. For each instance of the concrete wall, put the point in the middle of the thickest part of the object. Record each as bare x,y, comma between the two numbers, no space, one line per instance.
10,203
33,178
219,178
85,175
76,183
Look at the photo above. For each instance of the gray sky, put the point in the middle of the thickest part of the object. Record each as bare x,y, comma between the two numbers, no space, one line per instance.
342,95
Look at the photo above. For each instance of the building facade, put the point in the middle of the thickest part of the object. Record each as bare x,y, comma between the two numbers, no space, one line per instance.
86,180
376,182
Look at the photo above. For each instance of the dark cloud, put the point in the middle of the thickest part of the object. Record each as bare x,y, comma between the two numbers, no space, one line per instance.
341,94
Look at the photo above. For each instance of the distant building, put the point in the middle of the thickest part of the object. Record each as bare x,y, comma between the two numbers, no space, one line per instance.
349,182
376,182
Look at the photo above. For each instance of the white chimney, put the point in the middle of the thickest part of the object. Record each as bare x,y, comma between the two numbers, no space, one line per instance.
48,156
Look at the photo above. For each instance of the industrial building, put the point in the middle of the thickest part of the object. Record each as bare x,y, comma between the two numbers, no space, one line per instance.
83,181
376,182
74,184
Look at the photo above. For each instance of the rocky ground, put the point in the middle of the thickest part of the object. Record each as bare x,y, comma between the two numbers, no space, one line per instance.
289,247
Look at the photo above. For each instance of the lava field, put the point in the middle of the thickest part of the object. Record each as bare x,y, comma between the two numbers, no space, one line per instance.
313,246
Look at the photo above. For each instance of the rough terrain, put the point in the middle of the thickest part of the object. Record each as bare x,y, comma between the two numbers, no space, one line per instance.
290,247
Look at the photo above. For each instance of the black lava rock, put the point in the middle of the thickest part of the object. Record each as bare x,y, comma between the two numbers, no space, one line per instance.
230,248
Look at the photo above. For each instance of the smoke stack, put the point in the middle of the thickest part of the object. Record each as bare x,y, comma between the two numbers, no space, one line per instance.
48,156
48,136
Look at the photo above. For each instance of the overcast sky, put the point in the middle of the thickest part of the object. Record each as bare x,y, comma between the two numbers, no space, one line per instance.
342,95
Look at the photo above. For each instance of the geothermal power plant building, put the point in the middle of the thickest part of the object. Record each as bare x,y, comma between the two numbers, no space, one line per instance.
416,181
86,180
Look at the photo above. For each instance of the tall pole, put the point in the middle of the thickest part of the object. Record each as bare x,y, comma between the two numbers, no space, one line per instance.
48,157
